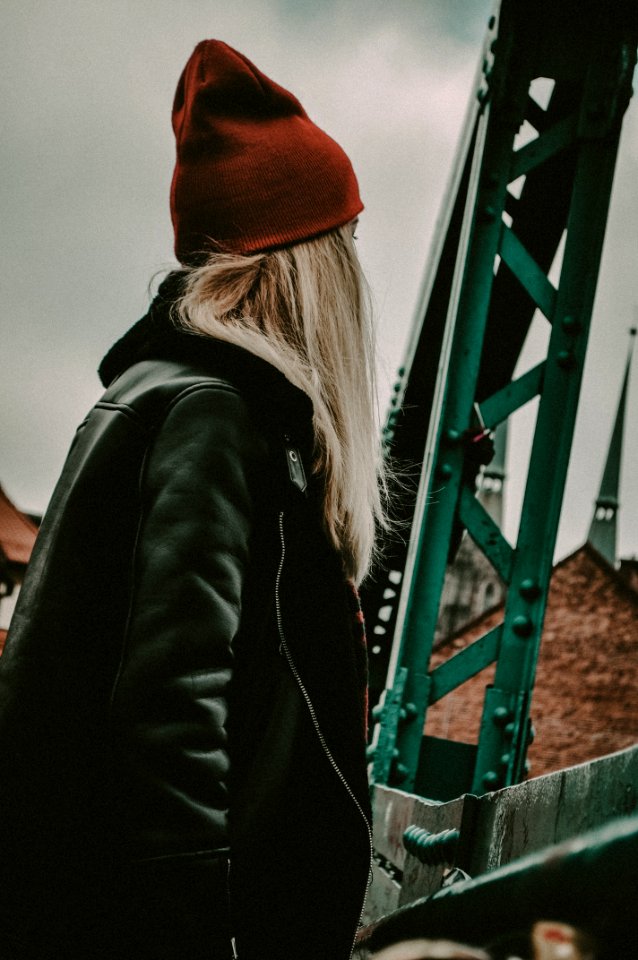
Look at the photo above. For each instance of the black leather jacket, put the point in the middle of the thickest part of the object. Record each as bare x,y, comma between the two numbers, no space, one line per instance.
183,680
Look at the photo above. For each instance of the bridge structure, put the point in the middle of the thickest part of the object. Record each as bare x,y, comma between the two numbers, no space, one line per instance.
528,198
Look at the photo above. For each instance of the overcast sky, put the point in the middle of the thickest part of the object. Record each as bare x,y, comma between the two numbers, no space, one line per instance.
88,154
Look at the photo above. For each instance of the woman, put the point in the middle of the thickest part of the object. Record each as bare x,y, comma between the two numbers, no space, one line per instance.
182,693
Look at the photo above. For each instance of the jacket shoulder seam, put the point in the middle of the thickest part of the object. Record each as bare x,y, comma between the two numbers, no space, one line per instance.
222,386
124,408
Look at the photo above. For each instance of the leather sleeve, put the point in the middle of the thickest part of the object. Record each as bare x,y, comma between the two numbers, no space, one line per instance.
169,702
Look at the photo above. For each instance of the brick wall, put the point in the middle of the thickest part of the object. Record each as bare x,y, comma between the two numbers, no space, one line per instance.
585,701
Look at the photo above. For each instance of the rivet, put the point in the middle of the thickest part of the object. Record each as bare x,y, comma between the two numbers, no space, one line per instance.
446,470
522,625
452,435
501,715
509,729
571,324
565,359
490,779
529,589
505,759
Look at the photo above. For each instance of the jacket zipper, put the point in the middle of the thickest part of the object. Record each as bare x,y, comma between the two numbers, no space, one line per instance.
283,648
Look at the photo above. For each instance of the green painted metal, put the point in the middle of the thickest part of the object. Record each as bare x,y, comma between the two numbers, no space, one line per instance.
530,275
500,405
551,446
465,664
590,882
431,848
486,533
572,162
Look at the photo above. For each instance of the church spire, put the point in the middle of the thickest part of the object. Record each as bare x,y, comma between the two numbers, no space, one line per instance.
603,529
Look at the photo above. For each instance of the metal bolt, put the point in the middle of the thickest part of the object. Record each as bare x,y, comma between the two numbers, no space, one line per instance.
431,848
446,470
522,625
491,779
571,324
509,730
501,715
452,435
505,759
565,359
529,589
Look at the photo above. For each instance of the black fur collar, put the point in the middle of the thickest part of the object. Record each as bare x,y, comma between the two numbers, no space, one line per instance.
156,336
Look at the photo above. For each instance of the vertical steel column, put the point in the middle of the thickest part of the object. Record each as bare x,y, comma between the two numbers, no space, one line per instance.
505,728
576,146
399,737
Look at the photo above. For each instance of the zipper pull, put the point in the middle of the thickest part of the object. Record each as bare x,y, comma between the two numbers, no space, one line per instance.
296,471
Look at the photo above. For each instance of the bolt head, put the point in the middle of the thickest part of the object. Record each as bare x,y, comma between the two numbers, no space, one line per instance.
529,589
565,359
522,626
501,715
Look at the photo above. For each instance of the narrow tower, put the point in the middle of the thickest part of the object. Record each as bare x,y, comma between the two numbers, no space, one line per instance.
603,529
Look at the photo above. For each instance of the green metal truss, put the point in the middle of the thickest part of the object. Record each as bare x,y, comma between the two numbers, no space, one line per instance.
488,275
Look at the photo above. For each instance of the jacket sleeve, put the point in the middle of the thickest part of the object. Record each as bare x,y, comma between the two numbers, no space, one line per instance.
169,700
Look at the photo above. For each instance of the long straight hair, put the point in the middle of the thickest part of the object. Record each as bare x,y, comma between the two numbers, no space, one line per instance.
306,310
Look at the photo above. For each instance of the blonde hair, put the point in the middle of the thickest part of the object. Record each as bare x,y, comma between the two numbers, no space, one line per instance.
305,309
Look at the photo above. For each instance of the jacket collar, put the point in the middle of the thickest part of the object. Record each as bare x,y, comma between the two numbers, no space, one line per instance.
156,336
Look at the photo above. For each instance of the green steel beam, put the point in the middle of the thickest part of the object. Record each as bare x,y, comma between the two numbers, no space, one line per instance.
593,84
486,534
527,596
465,664
515,395
547,145
529,274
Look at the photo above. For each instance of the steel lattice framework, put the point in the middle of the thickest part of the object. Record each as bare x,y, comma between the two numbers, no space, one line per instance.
509,208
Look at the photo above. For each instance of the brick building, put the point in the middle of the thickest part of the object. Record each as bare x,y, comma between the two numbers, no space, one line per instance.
585,703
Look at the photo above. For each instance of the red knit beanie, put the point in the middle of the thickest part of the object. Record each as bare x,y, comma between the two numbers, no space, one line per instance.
253,172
